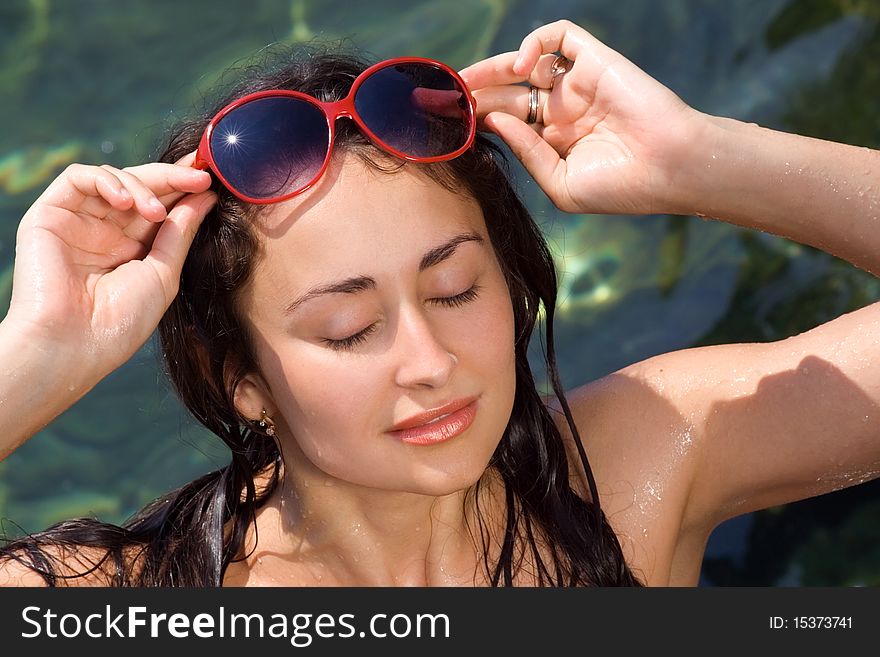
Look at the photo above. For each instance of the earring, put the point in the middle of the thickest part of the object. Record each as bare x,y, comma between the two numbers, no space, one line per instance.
267,423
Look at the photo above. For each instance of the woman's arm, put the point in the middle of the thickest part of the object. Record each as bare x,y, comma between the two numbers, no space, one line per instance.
97,261
611,139
816,192
38,381
754,425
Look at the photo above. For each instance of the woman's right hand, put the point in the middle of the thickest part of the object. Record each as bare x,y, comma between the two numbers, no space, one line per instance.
98,259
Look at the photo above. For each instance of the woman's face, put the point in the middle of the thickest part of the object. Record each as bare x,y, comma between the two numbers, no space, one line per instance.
421,317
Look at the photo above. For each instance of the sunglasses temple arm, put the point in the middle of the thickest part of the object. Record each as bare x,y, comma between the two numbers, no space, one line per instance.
202,160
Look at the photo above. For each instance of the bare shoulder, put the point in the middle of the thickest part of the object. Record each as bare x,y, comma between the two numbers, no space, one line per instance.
682,441
69,566
15,573
641,430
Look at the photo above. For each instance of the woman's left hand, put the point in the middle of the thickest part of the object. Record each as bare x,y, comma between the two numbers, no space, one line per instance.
608,138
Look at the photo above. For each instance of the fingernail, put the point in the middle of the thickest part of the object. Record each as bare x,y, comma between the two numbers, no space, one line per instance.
518,63
157,204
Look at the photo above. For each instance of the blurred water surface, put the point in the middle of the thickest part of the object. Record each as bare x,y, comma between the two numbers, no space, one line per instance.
96,82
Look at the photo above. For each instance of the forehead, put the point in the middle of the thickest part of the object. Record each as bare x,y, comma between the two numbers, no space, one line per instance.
357,218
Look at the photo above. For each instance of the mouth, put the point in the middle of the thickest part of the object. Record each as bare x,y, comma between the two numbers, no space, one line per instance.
439,425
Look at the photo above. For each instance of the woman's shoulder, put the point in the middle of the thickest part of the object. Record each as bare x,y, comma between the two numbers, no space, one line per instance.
14,572
44,564
638,443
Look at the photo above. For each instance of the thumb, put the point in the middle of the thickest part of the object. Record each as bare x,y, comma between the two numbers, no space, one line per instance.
174,238
538,157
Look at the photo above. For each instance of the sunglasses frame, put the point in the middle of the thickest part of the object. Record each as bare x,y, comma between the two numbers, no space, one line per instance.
332,111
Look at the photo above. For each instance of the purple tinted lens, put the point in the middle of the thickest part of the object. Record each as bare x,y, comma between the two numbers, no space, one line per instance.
270,147
415,108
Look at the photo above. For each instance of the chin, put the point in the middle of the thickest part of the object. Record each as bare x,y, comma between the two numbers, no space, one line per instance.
441,483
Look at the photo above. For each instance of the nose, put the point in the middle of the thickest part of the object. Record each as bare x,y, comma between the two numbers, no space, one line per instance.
423,360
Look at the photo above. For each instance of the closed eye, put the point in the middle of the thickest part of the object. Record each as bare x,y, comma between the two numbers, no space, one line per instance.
459,299
347,344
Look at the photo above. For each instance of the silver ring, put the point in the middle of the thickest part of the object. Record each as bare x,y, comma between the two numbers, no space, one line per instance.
559,66
533,104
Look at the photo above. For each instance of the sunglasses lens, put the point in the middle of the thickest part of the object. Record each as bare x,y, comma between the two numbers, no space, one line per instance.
416,109
271,146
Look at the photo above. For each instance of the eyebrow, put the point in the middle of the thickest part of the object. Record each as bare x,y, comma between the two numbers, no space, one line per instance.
356,284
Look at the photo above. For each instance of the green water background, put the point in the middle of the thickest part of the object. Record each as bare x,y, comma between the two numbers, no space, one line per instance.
96,82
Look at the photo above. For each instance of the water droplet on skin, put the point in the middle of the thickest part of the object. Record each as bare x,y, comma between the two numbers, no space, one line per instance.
71,387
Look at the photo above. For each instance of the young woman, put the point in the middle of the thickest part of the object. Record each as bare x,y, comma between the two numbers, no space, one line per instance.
353,324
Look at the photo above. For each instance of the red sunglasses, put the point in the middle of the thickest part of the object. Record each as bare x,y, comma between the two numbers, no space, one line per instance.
272,145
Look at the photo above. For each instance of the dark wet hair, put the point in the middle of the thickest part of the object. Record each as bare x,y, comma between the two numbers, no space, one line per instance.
190,536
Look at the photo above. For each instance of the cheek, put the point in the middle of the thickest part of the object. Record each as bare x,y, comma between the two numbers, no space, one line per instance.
321,394
491,334
330,407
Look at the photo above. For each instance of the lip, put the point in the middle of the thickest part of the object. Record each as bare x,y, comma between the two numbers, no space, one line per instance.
426,429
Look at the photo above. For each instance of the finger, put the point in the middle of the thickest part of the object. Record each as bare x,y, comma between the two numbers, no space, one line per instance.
492,71
141,230
513,100
141,222
79,183
562,36
164,179
539,158
145,202
498,70
174,238
187,160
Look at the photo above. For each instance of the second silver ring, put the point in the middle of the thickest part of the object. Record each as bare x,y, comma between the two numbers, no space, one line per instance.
533,105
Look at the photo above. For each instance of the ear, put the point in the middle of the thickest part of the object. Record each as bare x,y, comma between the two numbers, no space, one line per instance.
252,397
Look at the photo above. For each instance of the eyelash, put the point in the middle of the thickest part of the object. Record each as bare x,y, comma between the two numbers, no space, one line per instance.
350,342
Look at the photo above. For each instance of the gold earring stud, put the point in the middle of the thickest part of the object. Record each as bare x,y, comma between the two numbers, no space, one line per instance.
267,423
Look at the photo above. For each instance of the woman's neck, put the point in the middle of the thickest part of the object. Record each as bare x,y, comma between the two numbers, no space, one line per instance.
316,530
